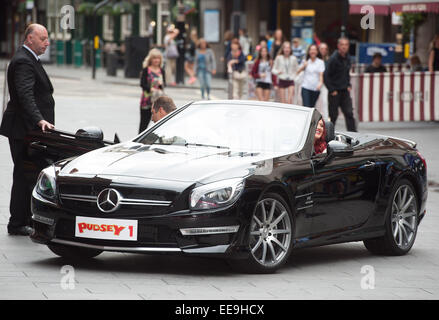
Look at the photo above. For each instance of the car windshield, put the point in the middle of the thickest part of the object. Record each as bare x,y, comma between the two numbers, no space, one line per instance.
248,128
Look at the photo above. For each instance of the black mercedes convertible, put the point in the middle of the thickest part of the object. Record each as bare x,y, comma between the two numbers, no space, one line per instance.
233,179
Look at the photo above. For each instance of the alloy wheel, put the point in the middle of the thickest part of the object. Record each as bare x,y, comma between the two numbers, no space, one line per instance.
270,232
404,217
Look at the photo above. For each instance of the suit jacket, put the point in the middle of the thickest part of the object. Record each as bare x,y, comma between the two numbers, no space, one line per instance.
30,92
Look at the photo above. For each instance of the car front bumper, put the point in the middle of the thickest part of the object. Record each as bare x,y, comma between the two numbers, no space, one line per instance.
213,233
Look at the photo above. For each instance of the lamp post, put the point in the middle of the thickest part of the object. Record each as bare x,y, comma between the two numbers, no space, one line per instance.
95,36
180,24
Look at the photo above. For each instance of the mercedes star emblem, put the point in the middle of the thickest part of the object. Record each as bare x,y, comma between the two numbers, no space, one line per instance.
108,200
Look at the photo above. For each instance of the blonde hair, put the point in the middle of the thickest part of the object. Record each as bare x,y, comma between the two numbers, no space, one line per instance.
281,49
153,53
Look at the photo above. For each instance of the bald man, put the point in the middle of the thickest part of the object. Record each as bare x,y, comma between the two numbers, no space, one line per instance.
31,107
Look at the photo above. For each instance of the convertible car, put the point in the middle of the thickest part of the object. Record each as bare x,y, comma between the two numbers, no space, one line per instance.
232,179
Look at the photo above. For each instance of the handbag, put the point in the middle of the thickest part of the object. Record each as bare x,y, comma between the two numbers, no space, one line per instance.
172,51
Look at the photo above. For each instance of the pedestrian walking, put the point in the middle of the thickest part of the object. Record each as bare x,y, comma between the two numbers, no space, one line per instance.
228,36
298,50
31,107
285,67
190,56
261,72
153,82
236,66
262,43
324,52
337,80
171,54
269,38
313,69
322,102
433,59
205,66
276,44
245,41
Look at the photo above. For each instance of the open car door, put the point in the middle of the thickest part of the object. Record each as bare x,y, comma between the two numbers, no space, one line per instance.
45,148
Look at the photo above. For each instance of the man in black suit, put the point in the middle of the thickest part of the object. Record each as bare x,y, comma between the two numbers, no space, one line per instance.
31,106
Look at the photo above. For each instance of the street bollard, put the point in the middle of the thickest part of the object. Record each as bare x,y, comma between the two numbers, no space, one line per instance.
112,64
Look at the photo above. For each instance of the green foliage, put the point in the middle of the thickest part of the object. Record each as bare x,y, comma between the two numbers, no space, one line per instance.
86,8
118,8
107,9
189,9
411,21
123,7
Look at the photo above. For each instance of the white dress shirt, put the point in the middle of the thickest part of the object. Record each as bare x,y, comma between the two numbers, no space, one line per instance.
31,51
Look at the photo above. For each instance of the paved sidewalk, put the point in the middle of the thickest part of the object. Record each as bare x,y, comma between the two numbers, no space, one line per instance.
85,73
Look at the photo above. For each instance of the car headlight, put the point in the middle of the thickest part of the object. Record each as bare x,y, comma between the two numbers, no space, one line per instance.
217,194
46,183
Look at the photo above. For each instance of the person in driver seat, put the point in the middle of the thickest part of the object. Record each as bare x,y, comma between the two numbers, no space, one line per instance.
163,106
320,144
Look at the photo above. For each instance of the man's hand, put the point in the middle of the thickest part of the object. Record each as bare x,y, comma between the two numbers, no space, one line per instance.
334,93
349,89
44,125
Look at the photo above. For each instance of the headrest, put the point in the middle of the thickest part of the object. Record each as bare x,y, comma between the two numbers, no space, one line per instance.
330,131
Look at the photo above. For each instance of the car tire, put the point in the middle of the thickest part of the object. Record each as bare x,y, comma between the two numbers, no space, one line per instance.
74,253
270,236
401,222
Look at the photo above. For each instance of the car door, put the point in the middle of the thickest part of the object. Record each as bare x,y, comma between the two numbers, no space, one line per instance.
296,175
344,191
43,149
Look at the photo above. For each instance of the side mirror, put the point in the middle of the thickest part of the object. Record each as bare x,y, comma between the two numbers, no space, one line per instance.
90,133
339,149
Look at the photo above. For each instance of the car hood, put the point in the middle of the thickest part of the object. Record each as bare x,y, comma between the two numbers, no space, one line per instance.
164,162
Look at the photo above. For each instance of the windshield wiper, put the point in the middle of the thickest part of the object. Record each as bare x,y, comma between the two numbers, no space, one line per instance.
204,145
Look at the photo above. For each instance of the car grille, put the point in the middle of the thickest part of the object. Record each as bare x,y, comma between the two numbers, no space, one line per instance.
83,199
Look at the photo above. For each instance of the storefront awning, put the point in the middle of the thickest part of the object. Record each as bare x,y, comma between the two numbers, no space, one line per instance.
385,7
414,6
381,7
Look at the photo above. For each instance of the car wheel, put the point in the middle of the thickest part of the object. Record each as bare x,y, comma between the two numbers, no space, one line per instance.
270,236
70,252
401,222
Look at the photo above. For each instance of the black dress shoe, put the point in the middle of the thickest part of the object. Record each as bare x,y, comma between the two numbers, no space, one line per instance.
20,231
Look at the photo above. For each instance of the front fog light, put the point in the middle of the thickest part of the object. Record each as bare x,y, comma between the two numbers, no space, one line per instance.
209,230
